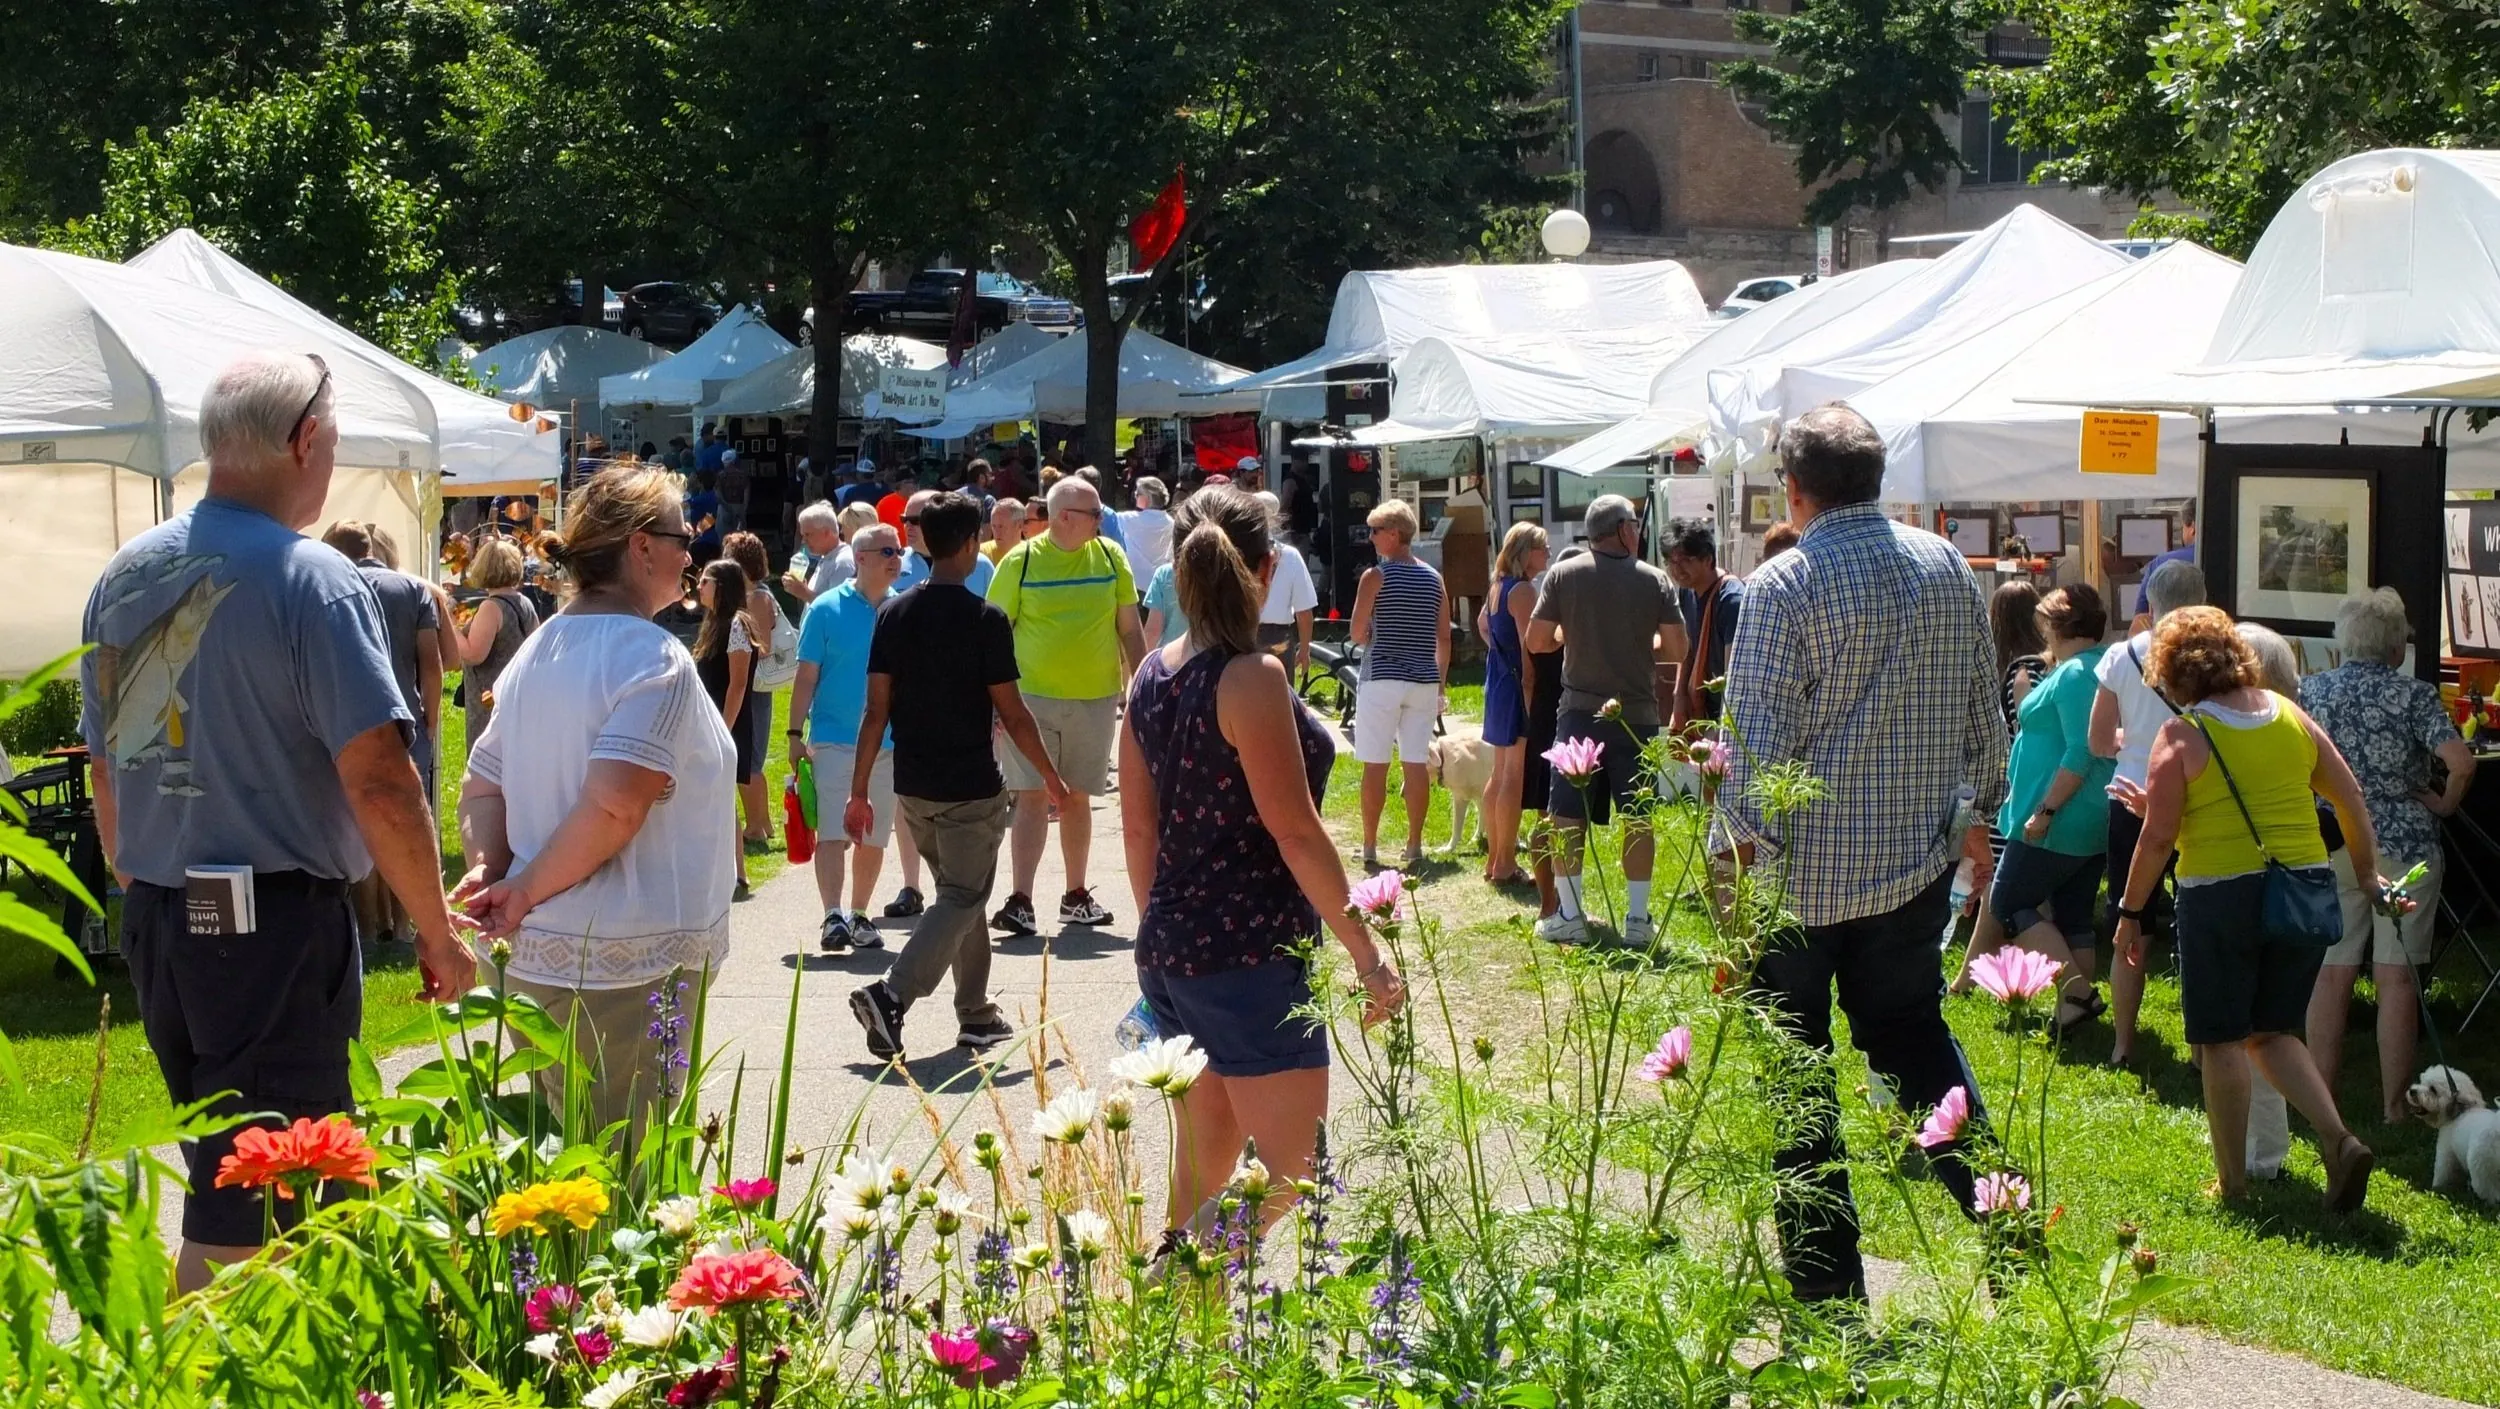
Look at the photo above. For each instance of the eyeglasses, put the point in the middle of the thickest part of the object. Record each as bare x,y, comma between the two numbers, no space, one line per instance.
1089,513
310,401
888,552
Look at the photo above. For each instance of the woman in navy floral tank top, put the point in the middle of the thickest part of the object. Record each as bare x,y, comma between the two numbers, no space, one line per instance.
1221,770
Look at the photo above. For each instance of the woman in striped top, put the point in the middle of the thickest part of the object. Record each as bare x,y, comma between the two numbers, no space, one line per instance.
1399,616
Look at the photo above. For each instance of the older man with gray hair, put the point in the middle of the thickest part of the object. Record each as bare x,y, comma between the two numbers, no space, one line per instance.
820,531
250,746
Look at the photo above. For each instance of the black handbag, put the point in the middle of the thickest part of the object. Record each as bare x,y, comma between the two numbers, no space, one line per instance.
2299,907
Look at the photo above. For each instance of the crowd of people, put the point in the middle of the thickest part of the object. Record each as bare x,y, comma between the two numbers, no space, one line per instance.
975,670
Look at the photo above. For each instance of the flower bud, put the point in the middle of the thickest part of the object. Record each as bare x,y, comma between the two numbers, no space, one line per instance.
1484,1050
1019,1217
2128,1233
500,953
2146,1261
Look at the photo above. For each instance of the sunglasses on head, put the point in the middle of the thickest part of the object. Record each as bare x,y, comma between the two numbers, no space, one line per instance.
310,401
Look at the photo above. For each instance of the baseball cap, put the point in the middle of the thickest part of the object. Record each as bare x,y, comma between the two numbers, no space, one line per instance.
1249,464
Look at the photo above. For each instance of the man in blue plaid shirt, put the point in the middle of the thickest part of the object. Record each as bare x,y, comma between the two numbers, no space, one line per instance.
1864,656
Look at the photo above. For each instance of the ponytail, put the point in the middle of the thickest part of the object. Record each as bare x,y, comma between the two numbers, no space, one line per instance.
1222,533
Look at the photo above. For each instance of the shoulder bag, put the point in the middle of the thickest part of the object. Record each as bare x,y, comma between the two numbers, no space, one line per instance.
2299,907
780,665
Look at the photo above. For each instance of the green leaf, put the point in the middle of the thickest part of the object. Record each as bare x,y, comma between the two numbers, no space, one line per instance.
18,917
24,693
31,853
364,1079
1528,1397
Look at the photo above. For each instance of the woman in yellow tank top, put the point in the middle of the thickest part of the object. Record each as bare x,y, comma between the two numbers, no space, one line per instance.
2244,996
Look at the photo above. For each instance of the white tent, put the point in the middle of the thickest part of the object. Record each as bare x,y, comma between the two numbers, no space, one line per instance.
788,382
1009,345
1677,407
481,441
1380,314
2379,278
102,372
1157,378
556,367
736,345
1532,386
2025,258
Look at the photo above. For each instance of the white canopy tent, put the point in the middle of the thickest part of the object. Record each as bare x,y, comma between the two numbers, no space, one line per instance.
2025,258
556,367
1677,408
2379,279
738,344
1004,348
1157,379
1380,314
102,372
482,442
788,383
1526,386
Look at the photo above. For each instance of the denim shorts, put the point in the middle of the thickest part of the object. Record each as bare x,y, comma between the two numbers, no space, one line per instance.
2233,981
1242,1018
2029,877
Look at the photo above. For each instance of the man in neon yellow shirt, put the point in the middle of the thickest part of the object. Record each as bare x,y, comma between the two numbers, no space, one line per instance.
1073,603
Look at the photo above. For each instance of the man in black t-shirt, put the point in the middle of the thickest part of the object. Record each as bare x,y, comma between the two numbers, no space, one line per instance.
941,667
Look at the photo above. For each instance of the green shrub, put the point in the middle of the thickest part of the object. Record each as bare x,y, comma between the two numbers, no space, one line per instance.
50,722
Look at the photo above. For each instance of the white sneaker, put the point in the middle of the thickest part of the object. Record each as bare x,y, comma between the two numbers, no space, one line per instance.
1559,928
1639,931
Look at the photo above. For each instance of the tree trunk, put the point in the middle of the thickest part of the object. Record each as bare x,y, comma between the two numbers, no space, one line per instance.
1103,334
829,292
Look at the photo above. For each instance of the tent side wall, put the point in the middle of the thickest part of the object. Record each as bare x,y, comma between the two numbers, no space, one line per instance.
65,522
404,503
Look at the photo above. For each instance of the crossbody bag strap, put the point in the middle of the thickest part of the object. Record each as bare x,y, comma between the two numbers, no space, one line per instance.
2227,781
2149,685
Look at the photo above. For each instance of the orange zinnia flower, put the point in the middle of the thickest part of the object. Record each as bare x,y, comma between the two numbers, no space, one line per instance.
735,1279
299,1157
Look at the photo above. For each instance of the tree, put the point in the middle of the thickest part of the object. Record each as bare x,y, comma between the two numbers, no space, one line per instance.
289,181
1857,90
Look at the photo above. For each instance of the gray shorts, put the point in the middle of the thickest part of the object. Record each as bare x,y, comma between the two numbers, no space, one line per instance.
1076,734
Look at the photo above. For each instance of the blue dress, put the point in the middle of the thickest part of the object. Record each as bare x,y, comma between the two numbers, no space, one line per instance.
1505,709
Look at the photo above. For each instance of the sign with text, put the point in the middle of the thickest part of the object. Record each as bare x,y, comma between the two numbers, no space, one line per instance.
913,393
1823,251
2120,443
2472,531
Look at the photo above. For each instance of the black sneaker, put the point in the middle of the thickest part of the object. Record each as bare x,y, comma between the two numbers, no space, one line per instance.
1078,907
1016,916
864,932
905,906
985,1036
880,1016
835,936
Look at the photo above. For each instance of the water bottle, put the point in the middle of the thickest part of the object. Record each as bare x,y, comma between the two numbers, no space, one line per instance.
1137,1027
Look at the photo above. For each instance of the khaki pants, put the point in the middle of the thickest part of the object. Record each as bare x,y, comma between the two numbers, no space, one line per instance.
959,841
612,1032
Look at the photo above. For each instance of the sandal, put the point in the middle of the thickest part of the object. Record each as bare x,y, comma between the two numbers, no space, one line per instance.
2087,1009
2348,1175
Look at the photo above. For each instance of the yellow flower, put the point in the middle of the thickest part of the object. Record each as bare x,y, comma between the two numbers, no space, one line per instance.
538,1207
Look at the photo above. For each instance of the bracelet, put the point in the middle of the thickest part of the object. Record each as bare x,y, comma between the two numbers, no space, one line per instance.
2136,915
1366,975
794,733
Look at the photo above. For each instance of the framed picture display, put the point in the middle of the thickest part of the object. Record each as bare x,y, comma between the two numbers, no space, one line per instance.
1762,507
2045,533
2293,531
2144,536
1526,480
2472,531
1971,529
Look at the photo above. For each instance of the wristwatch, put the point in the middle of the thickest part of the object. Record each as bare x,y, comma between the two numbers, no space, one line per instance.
2136,915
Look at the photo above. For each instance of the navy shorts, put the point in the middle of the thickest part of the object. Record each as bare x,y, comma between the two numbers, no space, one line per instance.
1618,779
266,1016
2029,877
2233,981
1242,1018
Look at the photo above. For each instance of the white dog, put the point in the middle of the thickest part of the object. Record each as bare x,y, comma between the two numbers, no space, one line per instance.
2469,1131
1463,765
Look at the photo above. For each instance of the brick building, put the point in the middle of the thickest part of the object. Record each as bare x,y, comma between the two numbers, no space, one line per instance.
1678,169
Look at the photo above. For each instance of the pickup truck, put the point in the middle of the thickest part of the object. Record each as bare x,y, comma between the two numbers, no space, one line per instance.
927,304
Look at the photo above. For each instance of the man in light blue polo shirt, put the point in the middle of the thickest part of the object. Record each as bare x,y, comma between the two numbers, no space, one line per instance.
916,561
825,704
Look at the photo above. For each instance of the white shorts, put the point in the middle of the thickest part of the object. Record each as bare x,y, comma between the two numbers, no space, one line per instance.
833,789
1394,715
2386,941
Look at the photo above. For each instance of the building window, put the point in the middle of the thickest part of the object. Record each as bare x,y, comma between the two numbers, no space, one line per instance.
1744,4
1645,68
1988,149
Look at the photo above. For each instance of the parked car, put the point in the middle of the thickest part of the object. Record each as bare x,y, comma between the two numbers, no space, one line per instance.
666,312
1753,293
484,325
927,304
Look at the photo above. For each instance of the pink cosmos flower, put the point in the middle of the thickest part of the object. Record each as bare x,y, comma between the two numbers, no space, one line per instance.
1944,1124
1577,759
2000,1193
2014,975
1674,1052
594,1346
988,1355
1381,898
746,1193
549,1307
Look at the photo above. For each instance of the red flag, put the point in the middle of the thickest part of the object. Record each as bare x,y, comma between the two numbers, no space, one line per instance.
1158,227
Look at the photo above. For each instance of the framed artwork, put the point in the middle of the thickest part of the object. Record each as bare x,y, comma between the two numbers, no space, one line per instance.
2046,533
2304,545
1974,531
1762,508
2143,536
1526,513
2465,613
2460,519
1526,479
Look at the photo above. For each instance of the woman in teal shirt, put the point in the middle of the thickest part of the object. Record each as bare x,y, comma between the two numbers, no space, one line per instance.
2051,874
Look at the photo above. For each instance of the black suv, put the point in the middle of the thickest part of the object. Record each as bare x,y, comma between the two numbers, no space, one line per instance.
666,312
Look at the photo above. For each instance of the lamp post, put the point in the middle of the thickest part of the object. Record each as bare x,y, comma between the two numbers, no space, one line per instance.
1565,233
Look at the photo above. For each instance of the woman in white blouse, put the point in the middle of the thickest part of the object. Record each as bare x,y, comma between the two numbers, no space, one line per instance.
598,813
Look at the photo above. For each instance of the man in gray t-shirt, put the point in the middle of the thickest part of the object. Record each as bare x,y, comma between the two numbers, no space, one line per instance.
240,710
1618,621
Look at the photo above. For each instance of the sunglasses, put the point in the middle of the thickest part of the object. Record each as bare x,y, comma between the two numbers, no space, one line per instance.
888,552
1089,513
683,539
911,519
310,401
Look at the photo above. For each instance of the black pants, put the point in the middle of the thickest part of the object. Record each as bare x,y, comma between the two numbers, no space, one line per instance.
264,1018
1892,987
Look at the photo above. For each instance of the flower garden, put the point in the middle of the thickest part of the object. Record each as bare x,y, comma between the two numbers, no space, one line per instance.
1576,1212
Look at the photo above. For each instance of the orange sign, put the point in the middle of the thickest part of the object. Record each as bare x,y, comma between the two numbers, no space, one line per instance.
2121,443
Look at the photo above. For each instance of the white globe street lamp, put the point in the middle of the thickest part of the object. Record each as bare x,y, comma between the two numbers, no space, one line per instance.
1565,233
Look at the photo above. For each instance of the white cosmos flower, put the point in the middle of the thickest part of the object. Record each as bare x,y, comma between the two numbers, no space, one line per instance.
612,1389
676,1217
1168,1064
651,1327
858,1183
954,1210
1090,1232
1119,1110
544,1347
1030,1258
1066,1120
859,1224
